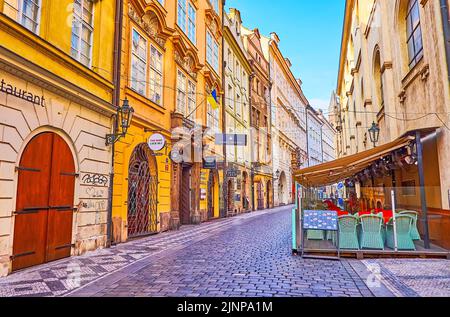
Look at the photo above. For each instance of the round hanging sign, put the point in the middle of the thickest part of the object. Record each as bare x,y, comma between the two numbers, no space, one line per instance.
156,142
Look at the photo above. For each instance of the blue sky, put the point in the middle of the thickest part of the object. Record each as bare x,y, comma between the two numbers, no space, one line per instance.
310,33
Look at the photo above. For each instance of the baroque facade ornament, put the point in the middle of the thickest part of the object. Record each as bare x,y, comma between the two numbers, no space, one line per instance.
148,23
187,63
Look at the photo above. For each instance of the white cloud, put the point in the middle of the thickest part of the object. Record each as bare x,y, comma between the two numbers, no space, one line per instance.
320,104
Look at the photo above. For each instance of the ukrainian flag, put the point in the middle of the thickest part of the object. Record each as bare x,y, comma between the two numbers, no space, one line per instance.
213,100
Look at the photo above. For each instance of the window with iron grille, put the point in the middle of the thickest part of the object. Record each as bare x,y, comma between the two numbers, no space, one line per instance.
25,12
82,30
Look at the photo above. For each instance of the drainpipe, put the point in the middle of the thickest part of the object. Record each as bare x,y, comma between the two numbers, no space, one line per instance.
270,127
116,103
225,178
446,30
307,136
252,165
423,197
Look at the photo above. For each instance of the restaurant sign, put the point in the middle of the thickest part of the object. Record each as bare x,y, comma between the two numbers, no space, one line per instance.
21,94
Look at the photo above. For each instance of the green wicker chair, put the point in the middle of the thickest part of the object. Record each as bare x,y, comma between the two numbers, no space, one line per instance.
315,235
371,233
414,231
403,225
348,237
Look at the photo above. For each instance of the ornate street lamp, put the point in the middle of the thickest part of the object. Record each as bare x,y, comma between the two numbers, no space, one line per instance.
277,175
374,133
124,116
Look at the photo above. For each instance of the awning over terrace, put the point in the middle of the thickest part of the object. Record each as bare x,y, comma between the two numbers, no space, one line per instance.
335,171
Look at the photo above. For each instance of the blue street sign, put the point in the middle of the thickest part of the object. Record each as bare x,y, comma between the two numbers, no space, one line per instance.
231,139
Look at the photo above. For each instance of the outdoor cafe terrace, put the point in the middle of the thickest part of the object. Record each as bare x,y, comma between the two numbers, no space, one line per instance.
390,204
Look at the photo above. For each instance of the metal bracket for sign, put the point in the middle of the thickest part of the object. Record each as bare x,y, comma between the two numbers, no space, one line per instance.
336,258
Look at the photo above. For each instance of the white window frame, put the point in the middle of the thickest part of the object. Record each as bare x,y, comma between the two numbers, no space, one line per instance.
212,114
149,68
212,50
91,27
152,68
187,6
132,54
215,5
20,14
189,96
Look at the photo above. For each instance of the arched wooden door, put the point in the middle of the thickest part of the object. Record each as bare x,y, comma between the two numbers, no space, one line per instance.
45,198
213,194
142,192
269,194
245,200
231,193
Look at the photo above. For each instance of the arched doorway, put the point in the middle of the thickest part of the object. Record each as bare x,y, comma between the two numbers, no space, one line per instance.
269,194
213,194
45,200
245,198
142,192
260,195
282,188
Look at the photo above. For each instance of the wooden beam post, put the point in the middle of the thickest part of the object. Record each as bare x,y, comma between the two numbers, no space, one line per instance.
423,198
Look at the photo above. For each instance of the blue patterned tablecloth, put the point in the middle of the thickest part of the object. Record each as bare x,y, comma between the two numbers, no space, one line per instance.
320,220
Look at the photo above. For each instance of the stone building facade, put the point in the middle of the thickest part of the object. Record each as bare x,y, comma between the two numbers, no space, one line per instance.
260,116
394,72
56,109
237,71
288,113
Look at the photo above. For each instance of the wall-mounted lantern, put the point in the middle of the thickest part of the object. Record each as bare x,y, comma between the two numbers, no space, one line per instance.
124,116
374,133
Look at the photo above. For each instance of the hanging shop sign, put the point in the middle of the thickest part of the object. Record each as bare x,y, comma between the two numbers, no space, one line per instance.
233,173
210,163
156,142
21,94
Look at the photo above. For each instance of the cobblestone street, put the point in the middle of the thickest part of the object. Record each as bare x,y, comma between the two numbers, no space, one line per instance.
248,255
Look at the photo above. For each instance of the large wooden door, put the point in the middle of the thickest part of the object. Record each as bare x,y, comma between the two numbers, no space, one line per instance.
44,208
260,194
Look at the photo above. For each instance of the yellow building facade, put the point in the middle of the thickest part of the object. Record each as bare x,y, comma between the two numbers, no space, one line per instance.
394,72
237,113
171,62
56,72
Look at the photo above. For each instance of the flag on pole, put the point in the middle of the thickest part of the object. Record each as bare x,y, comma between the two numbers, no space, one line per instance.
213,100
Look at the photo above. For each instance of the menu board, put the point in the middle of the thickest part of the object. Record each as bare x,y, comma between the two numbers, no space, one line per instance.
320,220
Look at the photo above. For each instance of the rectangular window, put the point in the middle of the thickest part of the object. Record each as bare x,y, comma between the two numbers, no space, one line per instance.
186,19
181,93
192,23
238,106
138,63
212,120
82,30
25,12
186,96
192,96
156,82
182,13
215,5
212,51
